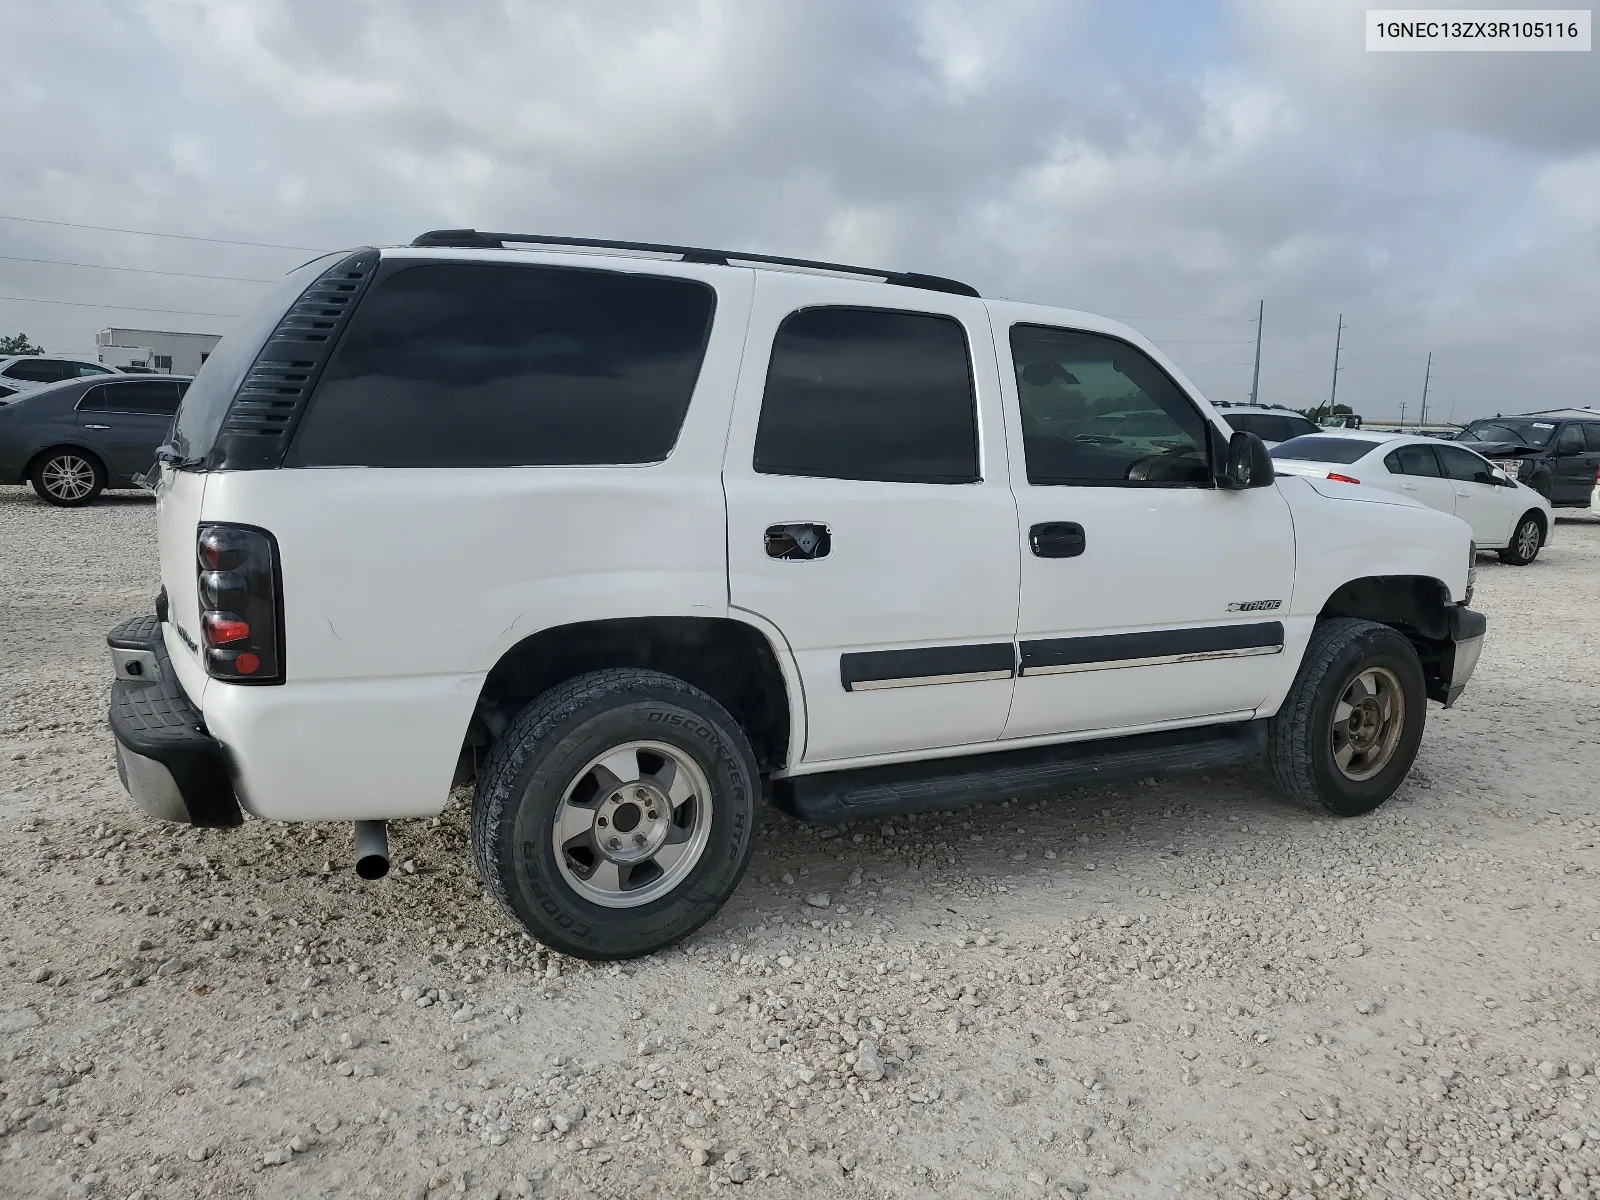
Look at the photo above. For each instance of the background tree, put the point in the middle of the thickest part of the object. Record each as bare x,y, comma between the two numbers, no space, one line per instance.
18,343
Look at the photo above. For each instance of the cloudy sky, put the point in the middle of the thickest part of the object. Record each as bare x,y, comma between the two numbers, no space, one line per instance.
1172,162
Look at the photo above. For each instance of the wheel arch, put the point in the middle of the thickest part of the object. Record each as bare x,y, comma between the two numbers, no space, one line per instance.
1416,606
742,666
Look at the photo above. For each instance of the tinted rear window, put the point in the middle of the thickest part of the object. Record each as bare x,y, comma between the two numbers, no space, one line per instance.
865,393
1323,447
499,364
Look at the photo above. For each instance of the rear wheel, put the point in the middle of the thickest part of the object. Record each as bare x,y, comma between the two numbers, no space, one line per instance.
1526,541
617,813
1348,732
68,477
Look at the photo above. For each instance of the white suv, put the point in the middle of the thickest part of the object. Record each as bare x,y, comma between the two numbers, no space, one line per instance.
636,535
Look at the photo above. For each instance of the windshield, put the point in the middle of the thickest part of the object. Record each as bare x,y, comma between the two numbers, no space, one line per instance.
1500,429
1324,447
206,402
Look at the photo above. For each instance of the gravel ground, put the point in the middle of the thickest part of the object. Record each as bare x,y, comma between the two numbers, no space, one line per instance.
1175,988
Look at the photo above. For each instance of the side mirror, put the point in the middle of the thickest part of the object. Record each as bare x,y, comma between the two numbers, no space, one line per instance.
1246,464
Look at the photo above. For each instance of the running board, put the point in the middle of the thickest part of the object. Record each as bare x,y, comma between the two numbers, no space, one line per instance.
833,797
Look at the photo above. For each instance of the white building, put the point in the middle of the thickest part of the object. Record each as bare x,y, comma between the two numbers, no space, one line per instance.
155,349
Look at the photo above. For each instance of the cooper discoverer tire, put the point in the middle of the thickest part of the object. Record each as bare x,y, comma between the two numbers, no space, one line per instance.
1348,731
617,813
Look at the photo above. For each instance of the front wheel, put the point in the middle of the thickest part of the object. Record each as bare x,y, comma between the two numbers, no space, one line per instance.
1349,729
1526,541
617,813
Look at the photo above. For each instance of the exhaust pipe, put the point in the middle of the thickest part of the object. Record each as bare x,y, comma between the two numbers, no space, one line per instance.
372,849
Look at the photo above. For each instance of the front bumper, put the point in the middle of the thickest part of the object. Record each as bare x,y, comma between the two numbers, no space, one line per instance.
171,766
1461,651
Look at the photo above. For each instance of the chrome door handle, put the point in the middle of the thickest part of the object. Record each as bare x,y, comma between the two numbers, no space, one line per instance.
1408,487
97,427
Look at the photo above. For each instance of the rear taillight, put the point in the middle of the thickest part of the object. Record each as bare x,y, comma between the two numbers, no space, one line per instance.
1338,478
240,614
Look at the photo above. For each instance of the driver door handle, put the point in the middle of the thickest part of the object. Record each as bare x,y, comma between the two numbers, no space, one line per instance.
1408,487
87,426
1057,539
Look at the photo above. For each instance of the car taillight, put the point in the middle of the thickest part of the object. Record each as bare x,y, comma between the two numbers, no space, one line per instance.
240,615
1338,478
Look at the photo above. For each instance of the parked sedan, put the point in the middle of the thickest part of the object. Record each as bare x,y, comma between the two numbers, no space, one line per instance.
26,372
1505,515
72,440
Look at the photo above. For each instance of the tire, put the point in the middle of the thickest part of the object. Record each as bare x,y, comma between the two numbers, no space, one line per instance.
1344,660
693,798
1526,541
68,477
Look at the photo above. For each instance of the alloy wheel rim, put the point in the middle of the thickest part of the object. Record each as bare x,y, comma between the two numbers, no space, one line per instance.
68,477
1528,539
1368,720
632,824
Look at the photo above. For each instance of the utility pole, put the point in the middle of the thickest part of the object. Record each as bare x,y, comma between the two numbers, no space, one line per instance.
1427,375
1338,337
1402,414
1255,380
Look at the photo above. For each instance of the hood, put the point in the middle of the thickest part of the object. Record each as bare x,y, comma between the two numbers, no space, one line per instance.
1501,449
1354,491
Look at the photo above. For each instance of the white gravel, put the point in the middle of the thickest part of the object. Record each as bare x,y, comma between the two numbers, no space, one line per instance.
1184,988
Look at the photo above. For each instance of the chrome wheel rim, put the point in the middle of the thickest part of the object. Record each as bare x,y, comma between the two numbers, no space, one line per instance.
1528,539
632,824
1367,723
68,477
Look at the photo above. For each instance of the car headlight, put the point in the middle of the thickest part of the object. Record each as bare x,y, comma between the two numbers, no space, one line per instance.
1472,571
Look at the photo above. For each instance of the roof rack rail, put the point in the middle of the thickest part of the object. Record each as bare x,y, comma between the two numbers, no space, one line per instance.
472,238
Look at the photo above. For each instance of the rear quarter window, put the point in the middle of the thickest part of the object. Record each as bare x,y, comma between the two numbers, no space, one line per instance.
457,364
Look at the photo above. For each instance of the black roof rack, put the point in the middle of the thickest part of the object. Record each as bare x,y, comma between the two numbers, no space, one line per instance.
472,238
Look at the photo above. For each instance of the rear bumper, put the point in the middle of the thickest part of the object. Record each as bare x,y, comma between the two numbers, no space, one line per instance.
168,762
1460,660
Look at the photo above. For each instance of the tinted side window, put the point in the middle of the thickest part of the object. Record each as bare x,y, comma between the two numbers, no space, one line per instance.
866,393
1260,424
1464,465
38,370
1413,460
84,370
1570,440
1294,427
1591,432
157,399
498,365
1097,411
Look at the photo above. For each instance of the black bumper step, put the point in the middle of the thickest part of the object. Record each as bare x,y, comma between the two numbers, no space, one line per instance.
153,719
837,796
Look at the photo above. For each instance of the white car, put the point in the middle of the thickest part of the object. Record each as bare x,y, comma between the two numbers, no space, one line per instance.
24,372
640,536
1505,515
1269,423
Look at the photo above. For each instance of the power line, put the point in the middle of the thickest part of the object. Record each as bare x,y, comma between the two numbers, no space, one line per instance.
51,262
185,237
180,312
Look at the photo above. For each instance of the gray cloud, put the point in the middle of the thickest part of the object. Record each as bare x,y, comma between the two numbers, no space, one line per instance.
1149,160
